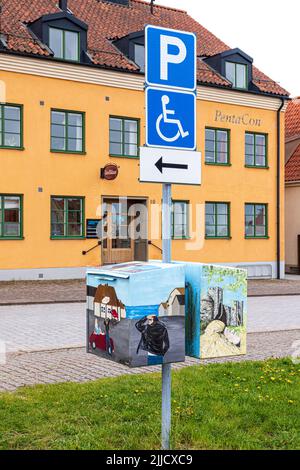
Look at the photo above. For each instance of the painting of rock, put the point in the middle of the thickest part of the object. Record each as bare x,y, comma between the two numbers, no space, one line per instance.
136,313
216,312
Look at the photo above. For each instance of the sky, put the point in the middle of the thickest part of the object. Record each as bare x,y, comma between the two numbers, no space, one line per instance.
267,30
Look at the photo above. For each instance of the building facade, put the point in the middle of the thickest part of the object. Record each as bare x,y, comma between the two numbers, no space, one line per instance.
292,187
72,102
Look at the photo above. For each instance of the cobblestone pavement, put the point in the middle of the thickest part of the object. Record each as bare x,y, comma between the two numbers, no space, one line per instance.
75,365
26,328
20,292
73,291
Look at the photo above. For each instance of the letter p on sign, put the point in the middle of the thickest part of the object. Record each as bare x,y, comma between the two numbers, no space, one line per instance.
166,57
170,58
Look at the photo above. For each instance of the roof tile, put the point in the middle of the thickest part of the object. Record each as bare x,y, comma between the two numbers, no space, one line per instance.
292,119
292,167
109,21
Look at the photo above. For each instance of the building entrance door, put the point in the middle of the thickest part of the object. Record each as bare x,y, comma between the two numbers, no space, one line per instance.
118,246
120,243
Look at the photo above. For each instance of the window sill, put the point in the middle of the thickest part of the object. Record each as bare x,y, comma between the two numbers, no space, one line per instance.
257,167
125,156
218,164
67,152
181,238
12,148
11,238
218,238
257,238
71,61
67,238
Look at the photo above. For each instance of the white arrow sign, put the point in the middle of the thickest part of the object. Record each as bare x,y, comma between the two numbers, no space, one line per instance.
170,166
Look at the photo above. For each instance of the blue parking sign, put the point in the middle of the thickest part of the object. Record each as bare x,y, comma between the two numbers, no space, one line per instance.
170,119
170,58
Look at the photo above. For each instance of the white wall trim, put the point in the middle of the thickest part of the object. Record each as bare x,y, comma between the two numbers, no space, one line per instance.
259,270
42,274
128,81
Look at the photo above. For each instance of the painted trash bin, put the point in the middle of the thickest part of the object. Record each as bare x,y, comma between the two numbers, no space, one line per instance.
136,313
216,311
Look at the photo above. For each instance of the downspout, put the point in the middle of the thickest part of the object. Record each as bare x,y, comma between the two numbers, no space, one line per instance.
279,188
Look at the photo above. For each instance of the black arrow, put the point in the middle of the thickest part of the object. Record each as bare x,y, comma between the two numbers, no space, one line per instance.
176,166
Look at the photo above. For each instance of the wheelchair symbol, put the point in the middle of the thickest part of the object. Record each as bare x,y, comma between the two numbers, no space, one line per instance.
165,100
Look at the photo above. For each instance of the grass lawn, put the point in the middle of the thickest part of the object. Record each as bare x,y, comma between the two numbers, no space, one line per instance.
253,405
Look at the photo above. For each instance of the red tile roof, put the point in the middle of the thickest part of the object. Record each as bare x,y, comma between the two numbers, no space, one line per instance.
292,119
109,21
292,167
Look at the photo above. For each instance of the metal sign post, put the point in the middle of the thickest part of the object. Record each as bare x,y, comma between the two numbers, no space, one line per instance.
166,368
169,156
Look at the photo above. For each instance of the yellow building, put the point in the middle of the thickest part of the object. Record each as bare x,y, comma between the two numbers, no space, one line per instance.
72,102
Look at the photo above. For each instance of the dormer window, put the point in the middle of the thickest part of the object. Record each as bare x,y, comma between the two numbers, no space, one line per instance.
237,74
64,44
133,46
64,34
236,66
139,56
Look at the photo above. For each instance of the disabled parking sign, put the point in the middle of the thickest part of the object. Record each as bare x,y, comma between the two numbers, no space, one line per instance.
171,86
170,119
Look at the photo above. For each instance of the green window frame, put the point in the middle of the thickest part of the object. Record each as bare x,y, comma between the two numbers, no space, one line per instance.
11,217
11,126
237,74
61,45
256,220
67,131
217,146
180,219
217,220
67,217
256,150
124,137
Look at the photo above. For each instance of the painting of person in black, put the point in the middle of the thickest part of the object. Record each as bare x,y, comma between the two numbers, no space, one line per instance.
155,338
108,341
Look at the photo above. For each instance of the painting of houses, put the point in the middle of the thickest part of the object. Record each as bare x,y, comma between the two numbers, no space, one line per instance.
107,305
175,304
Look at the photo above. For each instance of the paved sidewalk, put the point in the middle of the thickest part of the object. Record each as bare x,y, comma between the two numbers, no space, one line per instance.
75,365
42,327
74,291
273,313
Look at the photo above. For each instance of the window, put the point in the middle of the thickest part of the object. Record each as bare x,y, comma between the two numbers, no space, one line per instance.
237,74
217,223
123,137
217,146
180,223
256,221
10,126
64,44
256,150
10,216
139,56
67,131
67,217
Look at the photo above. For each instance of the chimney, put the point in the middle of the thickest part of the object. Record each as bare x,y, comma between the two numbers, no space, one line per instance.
63,5
152,7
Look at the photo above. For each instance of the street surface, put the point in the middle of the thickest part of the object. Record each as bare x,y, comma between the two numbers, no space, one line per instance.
45,343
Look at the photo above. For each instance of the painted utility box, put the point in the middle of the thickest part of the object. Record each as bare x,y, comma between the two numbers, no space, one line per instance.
136,313
216,311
